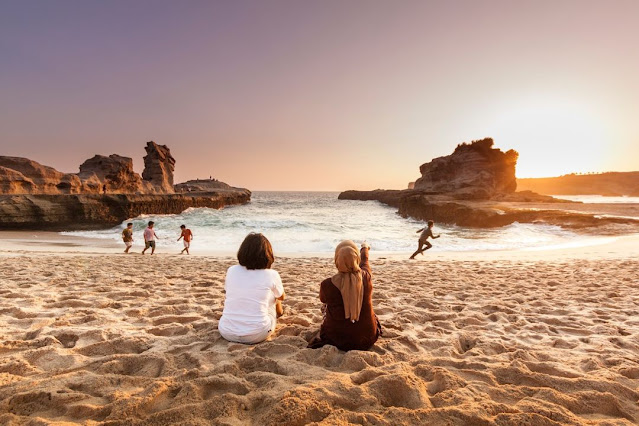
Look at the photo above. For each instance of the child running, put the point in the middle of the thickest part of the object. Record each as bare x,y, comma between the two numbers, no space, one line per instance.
423,239
127,237
188,236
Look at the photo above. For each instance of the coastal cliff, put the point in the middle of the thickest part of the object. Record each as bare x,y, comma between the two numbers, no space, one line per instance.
105,192
99,174
94,211
475,187
606,184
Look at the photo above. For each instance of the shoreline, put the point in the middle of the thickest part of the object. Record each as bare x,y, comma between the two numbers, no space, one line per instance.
28,242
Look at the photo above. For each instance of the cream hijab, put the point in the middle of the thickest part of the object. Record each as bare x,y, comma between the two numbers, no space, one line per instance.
349,279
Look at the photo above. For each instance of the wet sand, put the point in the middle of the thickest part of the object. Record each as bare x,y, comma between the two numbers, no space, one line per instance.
538,338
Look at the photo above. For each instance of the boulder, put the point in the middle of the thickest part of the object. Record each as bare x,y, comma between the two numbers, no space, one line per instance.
159,165
474,170
115,172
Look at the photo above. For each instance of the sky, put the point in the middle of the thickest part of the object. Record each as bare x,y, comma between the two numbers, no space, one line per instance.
321,95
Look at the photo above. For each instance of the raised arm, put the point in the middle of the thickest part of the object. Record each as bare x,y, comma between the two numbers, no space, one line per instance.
363,263
420,230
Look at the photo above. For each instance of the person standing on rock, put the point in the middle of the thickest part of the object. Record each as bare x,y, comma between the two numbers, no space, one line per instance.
423,239
149,238
188,236
127,237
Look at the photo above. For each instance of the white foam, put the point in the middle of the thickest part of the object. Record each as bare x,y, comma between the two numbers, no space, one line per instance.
316,222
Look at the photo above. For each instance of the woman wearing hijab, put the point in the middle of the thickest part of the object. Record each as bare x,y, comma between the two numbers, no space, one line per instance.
349,321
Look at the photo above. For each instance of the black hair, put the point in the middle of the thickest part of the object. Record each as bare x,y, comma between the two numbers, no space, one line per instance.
129,224
182,226
151,223
255,252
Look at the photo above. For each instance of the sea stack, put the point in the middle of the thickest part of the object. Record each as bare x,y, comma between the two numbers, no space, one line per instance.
159,165
473,171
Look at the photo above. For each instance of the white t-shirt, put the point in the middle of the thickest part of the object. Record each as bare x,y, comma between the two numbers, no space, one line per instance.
249,306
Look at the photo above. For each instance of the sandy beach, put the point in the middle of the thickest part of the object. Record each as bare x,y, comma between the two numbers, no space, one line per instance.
536,338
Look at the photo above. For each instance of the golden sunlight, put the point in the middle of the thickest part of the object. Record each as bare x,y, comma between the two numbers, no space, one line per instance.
553,137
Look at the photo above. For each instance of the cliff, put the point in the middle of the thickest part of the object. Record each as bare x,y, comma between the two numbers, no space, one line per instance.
104,193
94,211
607,184
474,170
99,174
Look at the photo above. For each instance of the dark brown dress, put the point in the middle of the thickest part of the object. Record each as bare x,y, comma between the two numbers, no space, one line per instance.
338,331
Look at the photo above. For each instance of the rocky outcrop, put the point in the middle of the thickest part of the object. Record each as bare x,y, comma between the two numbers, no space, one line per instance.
606,184
510,208
113,173
389,197
474,171
14,182
104,193
99,174
158,167
22,174
202,185
475,187
94,211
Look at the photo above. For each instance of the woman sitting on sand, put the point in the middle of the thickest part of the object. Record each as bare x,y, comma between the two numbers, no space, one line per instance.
254,293
349,321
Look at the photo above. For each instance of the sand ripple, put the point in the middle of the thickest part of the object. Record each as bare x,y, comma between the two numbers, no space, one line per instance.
121,340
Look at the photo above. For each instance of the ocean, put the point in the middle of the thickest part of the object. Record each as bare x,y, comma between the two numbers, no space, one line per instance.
315,222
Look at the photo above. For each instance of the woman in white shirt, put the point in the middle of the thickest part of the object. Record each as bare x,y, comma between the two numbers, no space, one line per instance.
253,293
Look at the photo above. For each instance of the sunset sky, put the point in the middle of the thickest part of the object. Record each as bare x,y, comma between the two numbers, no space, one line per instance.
323,95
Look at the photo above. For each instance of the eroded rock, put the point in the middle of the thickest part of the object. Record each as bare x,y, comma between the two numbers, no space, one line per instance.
159,165
473,171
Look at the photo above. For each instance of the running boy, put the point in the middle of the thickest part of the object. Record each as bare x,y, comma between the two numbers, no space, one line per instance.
423,239
188,236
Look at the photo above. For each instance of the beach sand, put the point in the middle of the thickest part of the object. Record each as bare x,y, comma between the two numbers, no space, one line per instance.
126,340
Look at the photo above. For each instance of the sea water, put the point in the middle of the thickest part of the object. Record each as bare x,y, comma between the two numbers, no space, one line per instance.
599,199
315,222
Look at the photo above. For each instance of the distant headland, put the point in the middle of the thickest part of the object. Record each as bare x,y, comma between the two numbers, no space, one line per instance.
105,192
610,184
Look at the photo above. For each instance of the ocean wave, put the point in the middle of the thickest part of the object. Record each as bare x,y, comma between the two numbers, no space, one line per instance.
316,222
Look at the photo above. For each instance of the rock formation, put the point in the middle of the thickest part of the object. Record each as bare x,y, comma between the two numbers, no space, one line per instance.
105,192
472,171
95,211
475,187
21,175
115,173
202,185
158,167
501,211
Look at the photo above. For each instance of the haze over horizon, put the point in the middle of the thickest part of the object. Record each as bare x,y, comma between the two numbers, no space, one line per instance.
285,95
